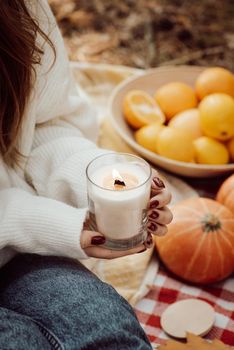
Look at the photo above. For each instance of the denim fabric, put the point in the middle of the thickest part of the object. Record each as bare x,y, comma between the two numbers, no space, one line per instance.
56,303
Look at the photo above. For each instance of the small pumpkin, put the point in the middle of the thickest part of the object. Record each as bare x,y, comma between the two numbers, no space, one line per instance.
225,194
199,245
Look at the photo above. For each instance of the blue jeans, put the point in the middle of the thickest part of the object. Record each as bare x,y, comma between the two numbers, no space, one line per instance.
56,303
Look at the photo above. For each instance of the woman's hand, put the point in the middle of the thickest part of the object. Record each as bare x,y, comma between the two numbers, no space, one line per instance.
158,217
92,242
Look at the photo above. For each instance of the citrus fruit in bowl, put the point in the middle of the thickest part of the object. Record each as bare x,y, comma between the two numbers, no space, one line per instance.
141,109
189,121
175,144
214,80
210,151
175,97
159,144
147,136
217,116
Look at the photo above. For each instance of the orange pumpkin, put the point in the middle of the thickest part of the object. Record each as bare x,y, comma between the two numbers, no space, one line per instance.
225,194
199,245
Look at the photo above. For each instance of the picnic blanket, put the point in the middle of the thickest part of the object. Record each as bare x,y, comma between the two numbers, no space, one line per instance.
166,289
140,278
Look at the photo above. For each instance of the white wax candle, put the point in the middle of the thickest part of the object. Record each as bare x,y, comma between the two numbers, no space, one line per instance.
119,211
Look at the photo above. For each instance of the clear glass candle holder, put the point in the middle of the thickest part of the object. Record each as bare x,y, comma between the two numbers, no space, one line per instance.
119,187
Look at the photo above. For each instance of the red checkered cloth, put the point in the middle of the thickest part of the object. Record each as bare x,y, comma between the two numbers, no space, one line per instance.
166,289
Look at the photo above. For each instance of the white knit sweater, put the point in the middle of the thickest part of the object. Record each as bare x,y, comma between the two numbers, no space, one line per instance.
43,202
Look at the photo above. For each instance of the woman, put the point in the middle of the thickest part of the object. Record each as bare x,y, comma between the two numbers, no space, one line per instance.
47,298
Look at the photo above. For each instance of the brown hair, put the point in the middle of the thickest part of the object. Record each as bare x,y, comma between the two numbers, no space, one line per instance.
19,53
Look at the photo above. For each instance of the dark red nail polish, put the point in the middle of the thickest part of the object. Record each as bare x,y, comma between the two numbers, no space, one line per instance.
154,215
158,182
152,227
149,240
97,240
154,204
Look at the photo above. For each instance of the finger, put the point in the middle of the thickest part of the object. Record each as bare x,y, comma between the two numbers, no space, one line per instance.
104,253
89,238
161,199
162,216
149,241
157,185
156,229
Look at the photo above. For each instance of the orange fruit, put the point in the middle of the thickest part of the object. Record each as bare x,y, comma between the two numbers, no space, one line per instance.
175,97
140,109
230,147
175,144
146,136
210,151
214,79
188,120
217,116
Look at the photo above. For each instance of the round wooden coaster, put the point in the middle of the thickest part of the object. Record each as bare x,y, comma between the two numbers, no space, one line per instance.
190,315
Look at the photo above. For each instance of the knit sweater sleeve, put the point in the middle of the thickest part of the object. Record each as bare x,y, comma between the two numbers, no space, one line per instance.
56,167
34,224
56,170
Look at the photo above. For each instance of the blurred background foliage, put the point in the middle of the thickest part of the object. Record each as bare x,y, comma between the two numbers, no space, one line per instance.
148,33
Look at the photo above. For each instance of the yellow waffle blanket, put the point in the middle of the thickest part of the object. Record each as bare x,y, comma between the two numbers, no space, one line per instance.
132,276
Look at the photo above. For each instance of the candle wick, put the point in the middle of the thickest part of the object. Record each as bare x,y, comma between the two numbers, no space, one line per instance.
119,182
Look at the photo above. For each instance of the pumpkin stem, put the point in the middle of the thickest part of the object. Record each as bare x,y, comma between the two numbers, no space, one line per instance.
210,223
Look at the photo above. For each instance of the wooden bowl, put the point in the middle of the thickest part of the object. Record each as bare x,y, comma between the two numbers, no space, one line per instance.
150,82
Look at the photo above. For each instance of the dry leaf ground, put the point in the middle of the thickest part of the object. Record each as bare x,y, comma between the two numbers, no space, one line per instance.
148,33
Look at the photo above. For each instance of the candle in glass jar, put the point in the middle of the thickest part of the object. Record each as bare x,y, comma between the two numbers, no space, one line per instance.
119,199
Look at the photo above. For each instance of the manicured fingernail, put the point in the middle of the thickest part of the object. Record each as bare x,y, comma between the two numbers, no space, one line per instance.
141,251
97,240
158,182
152,227
154,215
154,204
149,240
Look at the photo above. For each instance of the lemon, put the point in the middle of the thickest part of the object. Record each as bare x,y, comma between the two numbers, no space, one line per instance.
188,121
210,151
217,116
140,109
230,147
214,79
146,136
175,144
175,97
